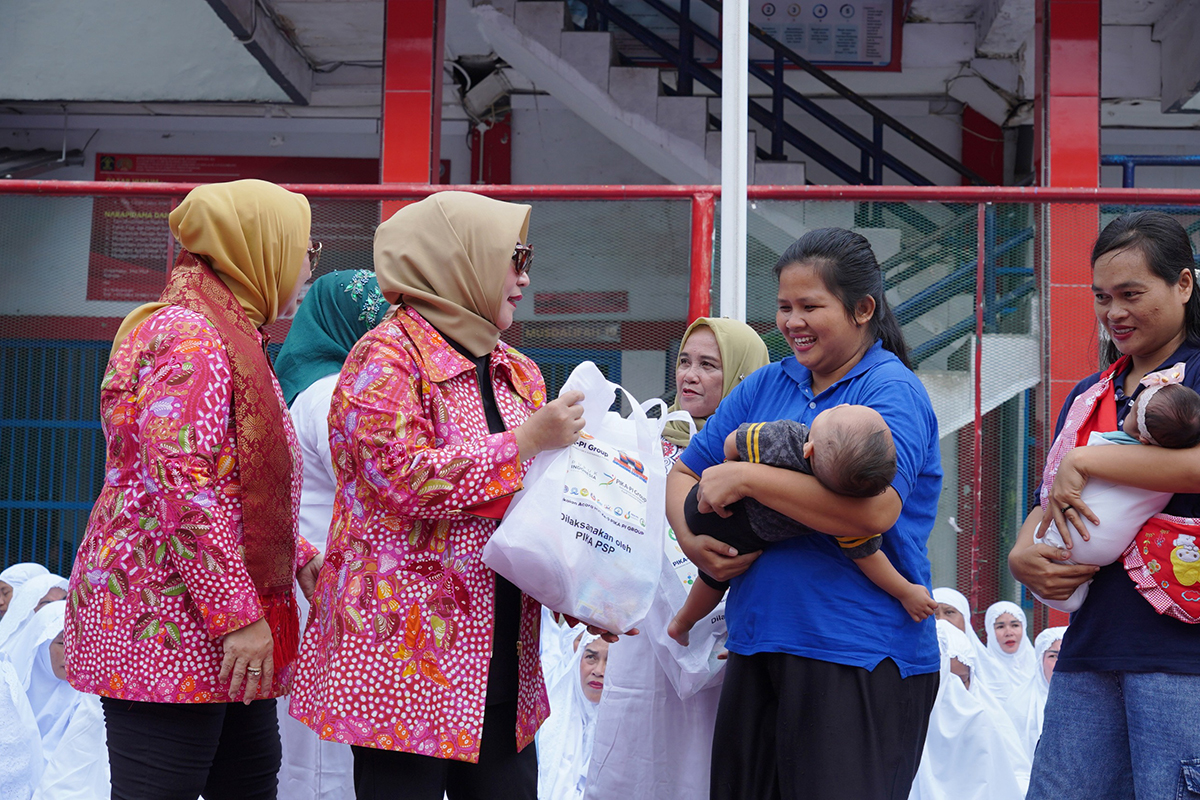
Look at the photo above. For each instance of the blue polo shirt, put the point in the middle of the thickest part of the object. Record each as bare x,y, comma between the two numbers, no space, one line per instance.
804,596
1116,628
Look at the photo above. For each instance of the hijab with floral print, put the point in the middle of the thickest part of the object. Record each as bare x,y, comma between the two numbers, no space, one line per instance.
337,311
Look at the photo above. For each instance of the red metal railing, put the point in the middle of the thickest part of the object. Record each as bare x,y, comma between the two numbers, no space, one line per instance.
400,191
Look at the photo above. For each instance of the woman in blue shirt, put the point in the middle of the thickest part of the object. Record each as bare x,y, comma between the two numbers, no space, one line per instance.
1121,717
829,684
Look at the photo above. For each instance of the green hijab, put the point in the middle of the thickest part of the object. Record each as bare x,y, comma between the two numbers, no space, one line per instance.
337,311
742,352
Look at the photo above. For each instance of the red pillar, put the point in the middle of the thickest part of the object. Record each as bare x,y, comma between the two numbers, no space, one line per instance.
700,282
1067,120
410,144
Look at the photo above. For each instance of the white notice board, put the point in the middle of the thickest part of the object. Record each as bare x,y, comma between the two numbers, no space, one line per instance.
830,33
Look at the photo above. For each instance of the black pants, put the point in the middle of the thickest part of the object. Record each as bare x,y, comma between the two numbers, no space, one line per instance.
733,530
178,751
501,774
791,728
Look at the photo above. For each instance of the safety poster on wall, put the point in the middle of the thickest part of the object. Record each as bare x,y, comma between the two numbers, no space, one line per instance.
132,248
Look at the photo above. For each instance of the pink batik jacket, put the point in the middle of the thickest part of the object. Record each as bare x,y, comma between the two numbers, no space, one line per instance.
150,600
400,635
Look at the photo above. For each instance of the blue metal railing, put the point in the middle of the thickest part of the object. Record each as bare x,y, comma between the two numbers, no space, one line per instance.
873,156
997,303
1130,163
51,446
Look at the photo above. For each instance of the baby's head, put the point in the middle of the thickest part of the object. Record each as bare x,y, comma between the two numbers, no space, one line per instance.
1170,414
851,451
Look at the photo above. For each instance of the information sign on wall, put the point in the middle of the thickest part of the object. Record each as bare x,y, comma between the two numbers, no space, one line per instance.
132,248
830,33
836,34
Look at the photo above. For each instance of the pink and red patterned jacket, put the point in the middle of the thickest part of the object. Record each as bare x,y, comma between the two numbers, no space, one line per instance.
149,599
400,635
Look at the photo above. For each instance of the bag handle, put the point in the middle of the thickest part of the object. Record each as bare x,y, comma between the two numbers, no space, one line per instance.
665,416
597,389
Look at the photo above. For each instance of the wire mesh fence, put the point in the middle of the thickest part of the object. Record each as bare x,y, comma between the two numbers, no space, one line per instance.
611,283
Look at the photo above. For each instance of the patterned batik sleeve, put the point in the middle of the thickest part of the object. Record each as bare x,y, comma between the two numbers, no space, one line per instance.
183,400
408,448
305,552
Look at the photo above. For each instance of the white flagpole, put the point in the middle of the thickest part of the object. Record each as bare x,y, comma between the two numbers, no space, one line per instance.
735,54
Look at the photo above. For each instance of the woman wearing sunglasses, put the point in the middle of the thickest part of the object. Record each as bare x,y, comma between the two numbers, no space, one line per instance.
417,654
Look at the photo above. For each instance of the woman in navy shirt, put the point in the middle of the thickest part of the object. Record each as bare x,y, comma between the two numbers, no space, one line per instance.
829,684
1122,715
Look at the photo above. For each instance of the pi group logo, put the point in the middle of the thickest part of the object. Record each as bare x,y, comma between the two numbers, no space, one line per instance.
631,465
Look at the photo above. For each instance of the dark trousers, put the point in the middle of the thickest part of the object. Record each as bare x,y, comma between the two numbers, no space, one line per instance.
501,774
178,751
790,727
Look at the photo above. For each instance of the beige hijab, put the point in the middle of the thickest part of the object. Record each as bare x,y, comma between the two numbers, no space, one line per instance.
742,352
252,233
447,256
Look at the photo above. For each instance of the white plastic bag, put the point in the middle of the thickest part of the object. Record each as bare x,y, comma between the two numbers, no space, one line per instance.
585,534
696,666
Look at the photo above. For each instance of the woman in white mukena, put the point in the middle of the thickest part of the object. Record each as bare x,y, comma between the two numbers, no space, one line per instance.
966,756
565,741
1027,704
68,724
1011,661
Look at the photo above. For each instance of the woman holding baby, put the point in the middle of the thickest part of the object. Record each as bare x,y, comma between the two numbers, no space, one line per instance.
1120,716
830,680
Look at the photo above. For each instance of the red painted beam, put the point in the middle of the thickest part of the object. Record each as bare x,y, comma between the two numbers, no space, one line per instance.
700,285
410,142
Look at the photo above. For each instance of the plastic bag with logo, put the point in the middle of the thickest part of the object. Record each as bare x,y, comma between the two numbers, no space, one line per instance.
585,535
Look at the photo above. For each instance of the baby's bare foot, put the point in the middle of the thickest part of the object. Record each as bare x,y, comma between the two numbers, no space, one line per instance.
678,630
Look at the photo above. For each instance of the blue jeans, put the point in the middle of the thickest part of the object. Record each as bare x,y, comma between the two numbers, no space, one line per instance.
1119,735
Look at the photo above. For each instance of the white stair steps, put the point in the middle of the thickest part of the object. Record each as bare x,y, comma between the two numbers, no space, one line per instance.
543,22
635,89
778,173
590,52
1010,366
685,117
712,150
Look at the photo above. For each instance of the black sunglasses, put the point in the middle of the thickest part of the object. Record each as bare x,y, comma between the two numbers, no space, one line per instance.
523,258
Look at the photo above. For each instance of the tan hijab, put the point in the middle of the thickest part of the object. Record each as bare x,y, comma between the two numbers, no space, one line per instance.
447,256
253,234
742,352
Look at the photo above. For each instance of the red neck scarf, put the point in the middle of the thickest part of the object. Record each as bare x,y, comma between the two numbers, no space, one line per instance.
264,461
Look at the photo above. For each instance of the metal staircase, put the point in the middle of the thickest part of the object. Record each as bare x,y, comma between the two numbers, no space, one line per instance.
580,61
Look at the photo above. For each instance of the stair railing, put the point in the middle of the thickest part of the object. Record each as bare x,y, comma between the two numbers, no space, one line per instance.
873,155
